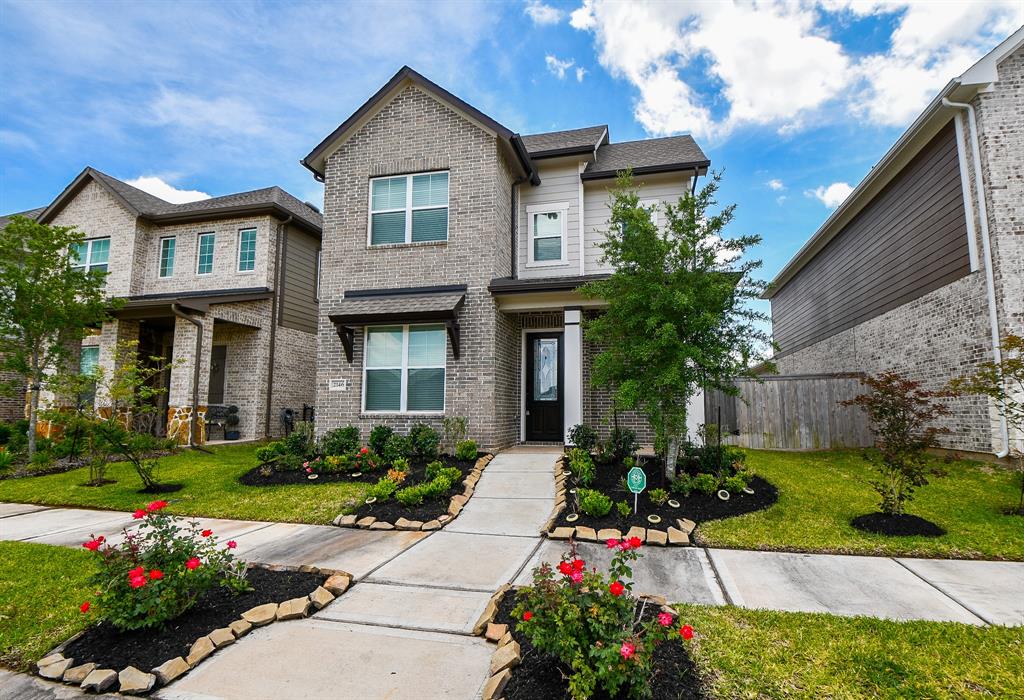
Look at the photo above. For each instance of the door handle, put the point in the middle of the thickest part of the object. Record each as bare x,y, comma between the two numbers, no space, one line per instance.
527,413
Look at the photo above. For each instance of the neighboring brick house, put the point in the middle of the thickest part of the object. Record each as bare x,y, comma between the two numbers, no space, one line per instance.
453,249
239,272
917,271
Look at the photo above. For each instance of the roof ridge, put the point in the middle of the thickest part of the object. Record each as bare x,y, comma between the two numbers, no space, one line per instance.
656,138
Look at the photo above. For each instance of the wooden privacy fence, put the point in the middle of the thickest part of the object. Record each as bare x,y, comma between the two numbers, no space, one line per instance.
794,412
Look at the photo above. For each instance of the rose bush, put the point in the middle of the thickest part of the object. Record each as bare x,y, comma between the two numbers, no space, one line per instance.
160,570
590,622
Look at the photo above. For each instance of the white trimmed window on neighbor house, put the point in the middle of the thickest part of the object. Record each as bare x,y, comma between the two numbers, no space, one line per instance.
247,250
204,253
404,369
409,209
92,254
167,247
546,225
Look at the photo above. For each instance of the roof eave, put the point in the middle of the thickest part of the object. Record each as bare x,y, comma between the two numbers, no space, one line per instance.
701,166
274,210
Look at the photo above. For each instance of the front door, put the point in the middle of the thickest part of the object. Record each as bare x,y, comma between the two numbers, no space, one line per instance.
544,387
218,360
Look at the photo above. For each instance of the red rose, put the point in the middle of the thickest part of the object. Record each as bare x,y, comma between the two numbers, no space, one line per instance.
686,632
565,567
363,451
156,505
578,565
84,607
612,543
627,650
664,619
206,533
155,574
526,615
92,545
576,576
192,564
137,571
232,544
137,581
635,542
616,588
139,514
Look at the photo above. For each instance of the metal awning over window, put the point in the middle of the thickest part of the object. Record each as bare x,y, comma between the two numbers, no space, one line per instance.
378,307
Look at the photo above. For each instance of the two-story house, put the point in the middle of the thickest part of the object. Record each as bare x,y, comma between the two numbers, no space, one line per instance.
452,252
223,288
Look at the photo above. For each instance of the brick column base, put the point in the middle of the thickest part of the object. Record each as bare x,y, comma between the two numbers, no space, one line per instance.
179,424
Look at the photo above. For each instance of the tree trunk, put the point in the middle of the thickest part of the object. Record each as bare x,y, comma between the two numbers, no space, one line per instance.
33,417
671,457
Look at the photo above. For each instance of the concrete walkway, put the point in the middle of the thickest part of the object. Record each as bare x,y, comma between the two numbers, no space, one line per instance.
404,630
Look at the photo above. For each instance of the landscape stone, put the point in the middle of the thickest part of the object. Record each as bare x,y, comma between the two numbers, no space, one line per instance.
431,525
201,648
485,618
495,632
460,499
338,583
347,520
405,524
505,639
381,525
658,600
443,518
261,614
659,537
50,659
171,669
454,508
366,522
99,680
608,534
135,682
222,636
636,532
678,537
505,657
686,526
240,628
562,533
586,534
77,674
55,671
321,597
293,609
495,685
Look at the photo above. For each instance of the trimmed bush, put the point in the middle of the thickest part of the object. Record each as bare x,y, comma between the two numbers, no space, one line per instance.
705,483
379,437
340,441
466,450
396,447
594,503
425,442
383,489
583,437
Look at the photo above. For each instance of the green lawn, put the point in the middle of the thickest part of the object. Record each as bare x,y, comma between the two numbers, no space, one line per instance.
41,587
820,492
760,654
211,489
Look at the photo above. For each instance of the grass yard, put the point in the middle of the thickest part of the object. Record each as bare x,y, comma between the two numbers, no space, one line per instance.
41,587
820,492
211,489
761,654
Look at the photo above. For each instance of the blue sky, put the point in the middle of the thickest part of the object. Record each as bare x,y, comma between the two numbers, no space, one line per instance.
795,101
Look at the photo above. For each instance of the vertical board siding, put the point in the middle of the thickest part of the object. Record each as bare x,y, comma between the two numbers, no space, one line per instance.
791,413
298,288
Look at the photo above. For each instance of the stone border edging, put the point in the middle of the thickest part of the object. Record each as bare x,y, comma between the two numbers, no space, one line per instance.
507,654
55,667
455,506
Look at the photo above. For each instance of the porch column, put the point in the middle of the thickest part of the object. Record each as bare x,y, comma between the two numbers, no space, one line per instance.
179,399
572,339
113,334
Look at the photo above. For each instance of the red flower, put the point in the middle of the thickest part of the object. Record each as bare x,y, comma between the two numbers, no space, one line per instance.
137,571
139,514
664,619
363,451
576,576
84,607
578,565
192,564
206,533
92,545
526,615
232,544
612,543
686,632
616,589
156,505
635,542
155,574
624,545
309,470
565,567
627,650
137,581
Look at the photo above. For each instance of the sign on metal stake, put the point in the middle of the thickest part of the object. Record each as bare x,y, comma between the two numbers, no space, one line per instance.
636,480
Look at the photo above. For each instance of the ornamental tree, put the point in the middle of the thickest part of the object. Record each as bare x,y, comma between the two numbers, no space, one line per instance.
679,317
46,304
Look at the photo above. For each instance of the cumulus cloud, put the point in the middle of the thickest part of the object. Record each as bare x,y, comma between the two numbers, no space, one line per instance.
159,188
557,67
542,14
831,196
580,72
775,184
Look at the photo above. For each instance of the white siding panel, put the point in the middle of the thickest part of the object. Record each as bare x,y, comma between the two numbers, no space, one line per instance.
559,184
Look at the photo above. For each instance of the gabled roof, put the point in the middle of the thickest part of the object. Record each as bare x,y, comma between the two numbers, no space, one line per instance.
648,156
30,214
564,143
407,76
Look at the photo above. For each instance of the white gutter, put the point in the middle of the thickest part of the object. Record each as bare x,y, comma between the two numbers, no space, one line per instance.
986,247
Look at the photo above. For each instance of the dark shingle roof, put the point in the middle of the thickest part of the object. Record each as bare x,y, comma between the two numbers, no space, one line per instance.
647,156
30,214
567,142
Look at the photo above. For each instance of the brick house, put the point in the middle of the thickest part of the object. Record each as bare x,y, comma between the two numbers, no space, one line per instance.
921,269
225,288
453,249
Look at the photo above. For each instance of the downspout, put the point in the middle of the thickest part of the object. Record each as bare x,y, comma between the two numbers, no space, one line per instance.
274,310
194,418
990,284
514,225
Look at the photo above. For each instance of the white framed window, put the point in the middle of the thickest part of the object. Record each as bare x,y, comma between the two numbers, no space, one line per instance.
167,246
204,253
652,206
91,254
404,369
247,250
408,209
547,234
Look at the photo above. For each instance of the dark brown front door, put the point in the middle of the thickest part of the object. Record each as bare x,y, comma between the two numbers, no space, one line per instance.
218,359
543,387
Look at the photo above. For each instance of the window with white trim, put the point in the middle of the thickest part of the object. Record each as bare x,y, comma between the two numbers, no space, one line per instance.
409,208
167,246
247,250
204,253
91,254
546,228
651,205
404,369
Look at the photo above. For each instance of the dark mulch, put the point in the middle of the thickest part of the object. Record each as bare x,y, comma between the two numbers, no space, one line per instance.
542,677
391,510
897,525
697,507
276,478
162,488
104,645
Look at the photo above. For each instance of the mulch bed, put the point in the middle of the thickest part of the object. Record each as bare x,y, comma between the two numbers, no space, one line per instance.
697,507
146,649
391,510
276,478
897,525
542,677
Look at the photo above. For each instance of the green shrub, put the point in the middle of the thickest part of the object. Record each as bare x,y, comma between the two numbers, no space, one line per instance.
411,495
581,464
425,442
396,447
455,430
595,503
735,484
433,469
622,443
466,450
401,464
296,443
333,464
583,437
450,475
705,483
5,433
683,484
6,459
624,508
379,437
340,441
658,496
270,451
289,463
383,489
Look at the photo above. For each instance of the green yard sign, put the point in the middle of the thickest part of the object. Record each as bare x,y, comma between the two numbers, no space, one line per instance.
636,480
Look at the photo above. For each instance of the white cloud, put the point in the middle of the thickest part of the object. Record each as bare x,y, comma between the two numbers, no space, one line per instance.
580,72
775,184
831,196
780,199
214,116
557,67
158,188
17,140
543,14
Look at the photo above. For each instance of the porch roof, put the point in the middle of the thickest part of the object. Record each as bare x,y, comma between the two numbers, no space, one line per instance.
146,306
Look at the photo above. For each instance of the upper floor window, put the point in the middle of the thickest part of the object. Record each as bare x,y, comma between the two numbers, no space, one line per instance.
409,208
546,225
204,254
651,207
167,246
92,254
404,369
247,250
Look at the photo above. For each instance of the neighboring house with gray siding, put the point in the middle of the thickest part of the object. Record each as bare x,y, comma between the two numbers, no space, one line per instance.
921,269
239,270
453,249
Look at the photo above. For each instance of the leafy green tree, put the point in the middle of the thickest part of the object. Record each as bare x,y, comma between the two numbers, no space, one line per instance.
46,304
679,317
